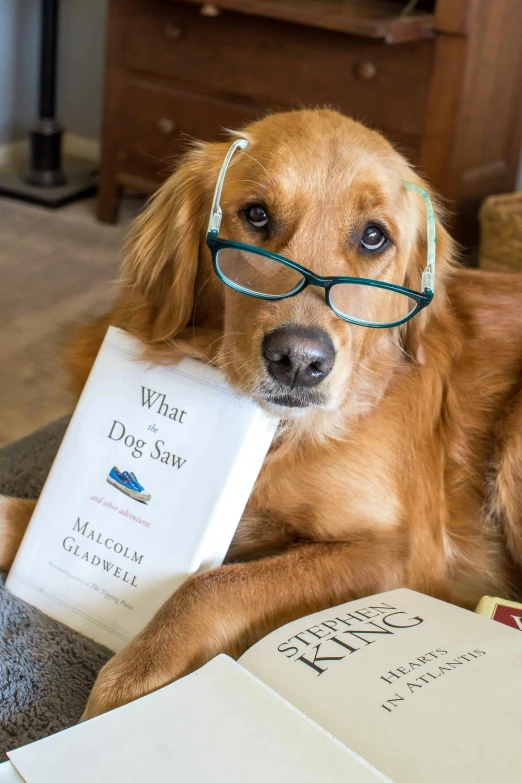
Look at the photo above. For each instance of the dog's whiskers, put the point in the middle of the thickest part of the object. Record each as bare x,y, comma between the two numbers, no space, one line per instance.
367,368
385,364
221,337
378,396
270,177
227,360
354,399
253,182
248,364
195,305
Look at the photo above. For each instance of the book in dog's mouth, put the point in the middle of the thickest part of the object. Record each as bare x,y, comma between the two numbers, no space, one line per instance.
148,487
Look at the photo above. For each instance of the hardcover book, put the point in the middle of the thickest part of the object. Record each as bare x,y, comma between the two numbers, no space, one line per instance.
395,687
501,610
148,486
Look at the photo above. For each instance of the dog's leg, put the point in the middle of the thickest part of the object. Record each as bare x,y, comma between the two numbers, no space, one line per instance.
14,518
230,608
259,535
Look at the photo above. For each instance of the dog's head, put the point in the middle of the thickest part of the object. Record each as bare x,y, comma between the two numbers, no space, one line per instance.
314,187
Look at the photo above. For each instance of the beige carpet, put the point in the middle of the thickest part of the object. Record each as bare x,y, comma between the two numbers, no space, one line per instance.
56,266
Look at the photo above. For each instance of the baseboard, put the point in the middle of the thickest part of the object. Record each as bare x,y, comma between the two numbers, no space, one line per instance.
12,152
81,147
73,146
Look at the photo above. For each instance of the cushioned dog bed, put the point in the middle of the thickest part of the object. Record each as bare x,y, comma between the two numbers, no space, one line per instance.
46,670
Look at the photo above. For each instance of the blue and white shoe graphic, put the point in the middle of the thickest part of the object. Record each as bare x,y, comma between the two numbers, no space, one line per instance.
128,484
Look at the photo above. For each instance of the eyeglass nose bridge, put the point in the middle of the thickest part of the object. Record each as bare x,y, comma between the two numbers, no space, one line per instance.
318,281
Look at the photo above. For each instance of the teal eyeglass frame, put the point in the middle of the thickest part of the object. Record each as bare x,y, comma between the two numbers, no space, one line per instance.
216,244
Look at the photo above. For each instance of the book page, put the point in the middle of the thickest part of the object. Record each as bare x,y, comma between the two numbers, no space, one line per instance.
147,488
218,724
422,689
8,774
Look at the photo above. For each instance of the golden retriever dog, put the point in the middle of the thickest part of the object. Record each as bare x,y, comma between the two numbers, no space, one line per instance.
398,461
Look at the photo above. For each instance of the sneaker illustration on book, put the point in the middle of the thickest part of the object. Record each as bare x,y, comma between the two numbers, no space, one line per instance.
128,484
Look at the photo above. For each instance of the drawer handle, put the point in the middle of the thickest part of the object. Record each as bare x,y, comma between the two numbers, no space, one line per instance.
210,10
366,71
172,31
166,126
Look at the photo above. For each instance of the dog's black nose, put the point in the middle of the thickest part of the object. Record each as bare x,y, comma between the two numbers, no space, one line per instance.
298,356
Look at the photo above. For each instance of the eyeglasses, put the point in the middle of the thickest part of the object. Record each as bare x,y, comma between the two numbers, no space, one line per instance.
256,272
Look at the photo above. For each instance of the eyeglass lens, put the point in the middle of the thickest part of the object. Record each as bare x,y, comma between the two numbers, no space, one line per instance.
370,304
257,274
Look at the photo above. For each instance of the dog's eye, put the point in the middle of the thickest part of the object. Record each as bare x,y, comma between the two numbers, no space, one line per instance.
373,238
256,216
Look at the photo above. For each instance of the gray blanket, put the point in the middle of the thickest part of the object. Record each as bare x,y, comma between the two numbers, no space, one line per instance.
46,670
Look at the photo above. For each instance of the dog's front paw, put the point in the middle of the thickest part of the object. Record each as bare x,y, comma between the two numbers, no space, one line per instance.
124,678
156,656
107,694
188,630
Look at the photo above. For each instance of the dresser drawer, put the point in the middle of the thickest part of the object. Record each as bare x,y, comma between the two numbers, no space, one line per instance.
277,64
156,122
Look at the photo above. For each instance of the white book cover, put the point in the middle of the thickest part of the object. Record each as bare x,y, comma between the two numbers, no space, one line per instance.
147,488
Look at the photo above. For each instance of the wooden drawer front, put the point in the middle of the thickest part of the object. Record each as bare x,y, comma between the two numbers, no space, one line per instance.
276,64
155,121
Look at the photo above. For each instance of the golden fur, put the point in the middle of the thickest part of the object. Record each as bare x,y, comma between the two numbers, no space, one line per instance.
406,473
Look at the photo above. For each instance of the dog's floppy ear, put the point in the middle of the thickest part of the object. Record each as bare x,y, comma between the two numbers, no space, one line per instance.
161,260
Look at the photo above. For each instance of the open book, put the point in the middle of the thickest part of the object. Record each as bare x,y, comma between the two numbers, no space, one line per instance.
398,686
148,487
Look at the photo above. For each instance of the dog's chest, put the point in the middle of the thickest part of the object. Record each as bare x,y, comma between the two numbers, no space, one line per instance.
329,493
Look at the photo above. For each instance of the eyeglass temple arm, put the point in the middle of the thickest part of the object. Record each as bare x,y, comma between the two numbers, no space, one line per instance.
216,213
428,276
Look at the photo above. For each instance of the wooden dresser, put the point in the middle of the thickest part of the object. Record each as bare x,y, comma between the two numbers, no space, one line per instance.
444,83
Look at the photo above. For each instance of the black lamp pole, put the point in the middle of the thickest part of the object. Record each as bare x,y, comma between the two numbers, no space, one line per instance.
45,168
48,58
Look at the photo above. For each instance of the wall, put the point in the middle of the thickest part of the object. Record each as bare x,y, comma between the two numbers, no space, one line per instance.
80,66
19,20
81,62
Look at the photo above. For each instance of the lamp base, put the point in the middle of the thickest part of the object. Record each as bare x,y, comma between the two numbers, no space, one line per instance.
45,144
81,176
